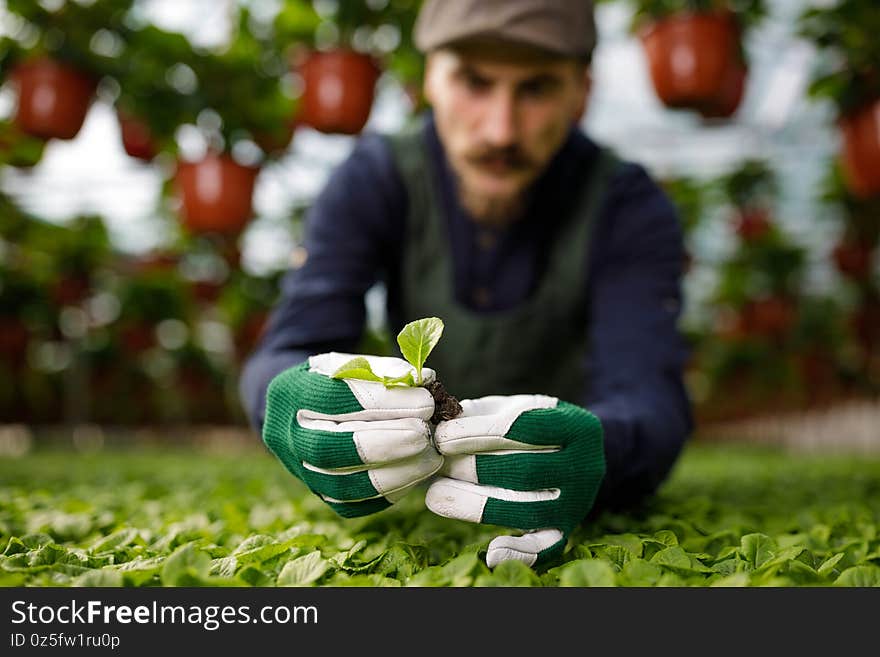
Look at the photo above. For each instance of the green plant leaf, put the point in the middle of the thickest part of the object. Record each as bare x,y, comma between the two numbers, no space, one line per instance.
861,576
417,339
99,578
586,572
509,573
357,368
304,570
757,549
638,572
187,566
402,380
828,566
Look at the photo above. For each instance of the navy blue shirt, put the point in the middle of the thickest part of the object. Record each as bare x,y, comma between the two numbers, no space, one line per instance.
354,238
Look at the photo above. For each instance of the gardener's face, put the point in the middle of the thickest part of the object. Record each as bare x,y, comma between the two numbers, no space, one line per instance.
502,114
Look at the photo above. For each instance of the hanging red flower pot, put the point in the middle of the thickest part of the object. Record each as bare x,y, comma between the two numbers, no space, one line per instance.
692,60
730,93
53,98
339,88
771,316
216,194
136,137
853,258
752,224
860,155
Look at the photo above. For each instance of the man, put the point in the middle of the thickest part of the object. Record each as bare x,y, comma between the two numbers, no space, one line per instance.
554,266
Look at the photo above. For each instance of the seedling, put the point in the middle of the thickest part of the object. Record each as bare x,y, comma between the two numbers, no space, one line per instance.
416,340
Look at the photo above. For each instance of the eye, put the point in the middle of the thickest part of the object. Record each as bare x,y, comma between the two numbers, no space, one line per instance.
475,83
539,87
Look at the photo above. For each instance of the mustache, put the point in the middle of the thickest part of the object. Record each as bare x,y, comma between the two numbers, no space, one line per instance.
511,156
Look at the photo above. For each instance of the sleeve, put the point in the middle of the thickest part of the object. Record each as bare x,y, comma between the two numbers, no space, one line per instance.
351,231
637,355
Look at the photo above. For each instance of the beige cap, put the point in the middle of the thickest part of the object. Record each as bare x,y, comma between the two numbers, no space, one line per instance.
566,27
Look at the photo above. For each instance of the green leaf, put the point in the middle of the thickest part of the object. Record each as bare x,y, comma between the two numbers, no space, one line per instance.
509,573
638,572
757,548
304,570
616,554
417,339
254,576
365,580
140,571
259,548
629,542
99,578
586,572
827,568
861,576
677,559
187,566
731,581
115,540
357,368
402,380
457,572
667,537
401,561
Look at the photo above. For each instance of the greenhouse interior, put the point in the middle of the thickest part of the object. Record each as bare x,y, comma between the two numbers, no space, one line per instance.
158,161
115,286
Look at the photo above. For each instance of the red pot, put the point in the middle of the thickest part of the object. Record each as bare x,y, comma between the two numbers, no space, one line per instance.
853,258
730,93
136,137
692,59
339,88
216,194
752,224
860,157
769,317
53,98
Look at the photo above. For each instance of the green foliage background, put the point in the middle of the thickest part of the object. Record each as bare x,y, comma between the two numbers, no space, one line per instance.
728,516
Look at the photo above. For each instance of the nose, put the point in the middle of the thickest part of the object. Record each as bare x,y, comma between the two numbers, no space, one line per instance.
500,127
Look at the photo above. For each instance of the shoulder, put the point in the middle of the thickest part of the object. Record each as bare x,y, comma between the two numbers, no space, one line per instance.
635,197
367,175
370,155
636,211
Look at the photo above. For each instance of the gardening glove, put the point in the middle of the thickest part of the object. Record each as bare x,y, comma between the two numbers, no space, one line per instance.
356,444
531,462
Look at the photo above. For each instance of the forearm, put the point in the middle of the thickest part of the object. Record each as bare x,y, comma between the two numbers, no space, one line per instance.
644,432
638,355
257,373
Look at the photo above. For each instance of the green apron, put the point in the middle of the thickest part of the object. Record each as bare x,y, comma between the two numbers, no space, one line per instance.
538,346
